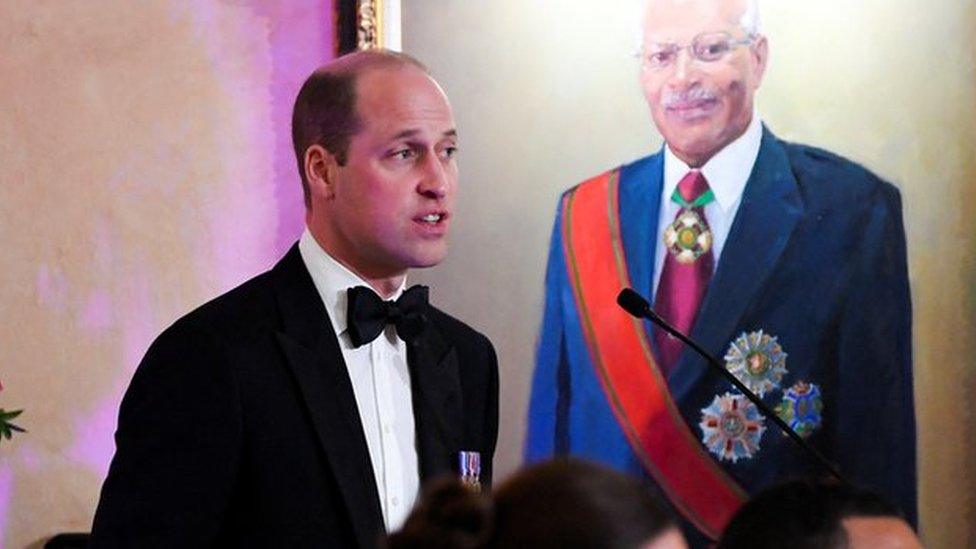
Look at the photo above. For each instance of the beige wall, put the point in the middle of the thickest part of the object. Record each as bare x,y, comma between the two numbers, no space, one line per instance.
545,94
145,166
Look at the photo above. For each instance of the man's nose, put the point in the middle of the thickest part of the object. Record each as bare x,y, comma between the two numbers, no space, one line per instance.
435,181
684,65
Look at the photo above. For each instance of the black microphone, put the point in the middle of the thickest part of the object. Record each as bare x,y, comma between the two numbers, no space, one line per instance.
633,303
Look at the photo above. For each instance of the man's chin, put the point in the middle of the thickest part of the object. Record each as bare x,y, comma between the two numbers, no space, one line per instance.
428,259
694,151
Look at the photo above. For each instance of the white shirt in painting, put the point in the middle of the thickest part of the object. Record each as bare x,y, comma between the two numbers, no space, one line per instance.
727,173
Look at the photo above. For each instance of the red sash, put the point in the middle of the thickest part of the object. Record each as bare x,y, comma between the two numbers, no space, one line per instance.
631,379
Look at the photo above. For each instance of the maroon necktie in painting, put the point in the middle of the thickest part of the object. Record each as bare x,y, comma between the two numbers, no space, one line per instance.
687,268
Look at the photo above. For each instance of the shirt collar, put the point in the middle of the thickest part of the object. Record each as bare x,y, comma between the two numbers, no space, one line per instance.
332,279
727,172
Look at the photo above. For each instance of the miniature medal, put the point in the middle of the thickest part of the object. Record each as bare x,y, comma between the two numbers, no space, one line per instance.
801,407
732,427
688,237
757,360
469,467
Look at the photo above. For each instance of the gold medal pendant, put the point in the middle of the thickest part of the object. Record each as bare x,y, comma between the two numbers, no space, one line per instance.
688,237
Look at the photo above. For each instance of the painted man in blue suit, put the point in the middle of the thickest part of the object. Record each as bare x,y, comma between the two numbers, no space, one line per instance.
786,261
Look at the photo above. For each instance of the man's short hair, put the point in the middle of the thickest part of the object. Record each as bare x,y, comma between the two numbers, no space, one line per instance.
325,109
802,514
750,21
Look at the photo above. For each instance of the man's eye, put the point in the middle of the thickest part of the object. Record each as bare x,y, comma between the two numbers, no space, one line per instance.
402,154
661,57
713,50
449,152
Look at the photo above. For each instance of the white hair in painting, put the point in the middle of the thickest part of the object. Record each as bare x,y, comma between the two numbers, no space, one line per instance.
750,20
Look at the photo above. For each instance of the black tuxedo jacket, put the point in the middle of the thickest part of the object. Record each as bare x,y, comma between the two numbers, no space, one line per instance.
240,427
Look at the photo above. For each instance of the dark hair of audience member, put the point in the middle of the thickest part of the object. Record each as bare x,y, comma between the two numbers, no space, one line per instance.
558,504
802,514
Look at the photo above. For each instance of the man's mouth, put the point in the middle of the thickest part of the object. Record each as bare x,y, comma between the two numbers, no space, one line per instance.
691,109
432,219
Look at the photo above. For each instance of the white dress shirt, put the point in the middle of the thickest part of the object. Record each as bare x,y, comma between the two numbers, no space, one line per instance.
727,173
381,383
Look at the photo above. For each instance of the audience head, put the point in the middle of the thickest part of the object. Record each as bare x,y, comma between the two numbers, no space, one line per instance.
806,514
557,504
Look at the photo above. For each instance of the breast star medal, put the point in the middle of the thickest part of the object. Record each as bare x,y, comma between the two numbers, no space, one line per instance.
800,408
757,360
688,237
732,427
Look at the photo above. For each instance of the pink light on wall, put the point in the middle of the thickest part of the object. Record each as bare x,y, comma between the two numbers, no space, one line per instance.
94,430
252,211
255,223
301,36
51,286
6,492
94,446
169,124
97,313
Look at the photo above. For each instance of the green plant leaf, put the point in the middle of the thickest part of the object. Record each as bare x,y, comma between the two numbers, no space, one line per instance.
7,429
5,415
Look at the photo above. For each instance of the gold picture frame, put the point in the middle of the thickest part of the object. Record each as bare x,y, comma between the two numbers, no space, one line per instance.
369,25
365,24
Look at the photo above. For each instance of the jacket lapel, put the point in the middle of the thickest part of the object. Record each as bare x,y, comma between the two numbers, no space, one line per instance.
770,209
437,403
639,207
313,354
640,198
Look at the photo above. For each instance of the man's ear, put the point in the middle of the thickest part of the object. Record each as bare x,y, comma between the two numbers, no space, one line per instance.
321,171
760,54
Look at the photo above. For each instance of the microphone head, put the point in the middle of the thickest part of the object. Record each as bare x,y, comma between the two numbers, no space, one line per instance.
633,303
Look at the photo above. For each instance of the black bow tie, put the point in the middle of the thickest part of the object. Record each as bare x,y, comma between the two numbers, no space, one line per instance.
367,314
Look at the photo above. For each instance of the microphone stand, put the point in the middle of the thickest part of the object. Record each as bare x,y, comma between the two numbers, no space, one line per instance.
633,303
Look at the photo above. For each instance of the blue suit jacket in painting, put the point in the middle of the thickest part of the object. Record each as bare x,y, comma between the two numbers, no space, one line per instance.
816,258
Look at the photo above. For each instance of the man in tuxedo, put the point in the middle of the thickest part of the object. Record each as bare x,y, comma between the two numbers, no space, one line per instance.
786,261
305,407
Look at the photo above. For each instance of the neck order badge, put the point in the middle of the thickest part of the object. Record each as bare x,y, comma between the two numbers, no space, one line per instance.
688,267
